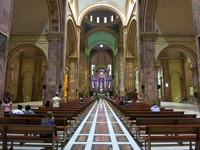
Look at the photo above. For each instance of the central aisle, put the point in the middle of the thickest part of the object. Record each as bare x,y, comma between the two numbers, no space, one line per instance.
101,130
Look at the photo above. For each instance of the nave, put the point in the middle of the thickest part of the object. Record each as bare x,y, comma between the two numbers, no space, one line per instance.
101,130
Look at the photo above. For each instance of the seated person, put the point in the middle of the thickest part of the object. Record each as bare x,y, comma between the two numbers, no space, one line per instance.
114,100
126,104
155,108
19,110
81,102
121,102
47,121
129,101
28,110
137,101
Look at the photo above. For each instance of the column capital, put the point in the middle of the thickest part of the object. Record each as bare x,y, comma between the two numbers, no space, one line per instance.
125,28
149,36
78,28
194,68
120,45
54,36
71,58
130,58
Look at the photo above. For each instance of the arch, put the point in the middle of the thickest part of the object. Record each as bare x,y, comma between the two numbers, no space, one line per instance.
27,70
72,40
187,51
132,31
98,67
101,5
147,15
54,15
17,50
100,29
97,43
176,73
101,38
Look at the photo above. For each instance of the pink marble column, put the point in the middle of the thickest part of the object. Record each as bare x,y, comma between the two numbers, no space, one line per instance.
166,79
82,70
147,69
121,70
8,79
130,82
37,86
72,78
55,67
6,7
196,14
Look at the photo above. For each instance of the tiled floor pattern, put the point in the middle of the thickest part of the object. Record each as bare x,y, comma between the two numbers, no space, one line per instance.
101,130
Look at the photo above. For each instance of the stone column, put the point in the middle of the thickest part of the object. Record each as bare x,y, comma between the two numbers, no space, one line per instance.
195,80
20,83
72,78
166,79
6,8
130,75
82,69
8,79
37,80
121,70
183,84
55,70
88,75
148,70
196,14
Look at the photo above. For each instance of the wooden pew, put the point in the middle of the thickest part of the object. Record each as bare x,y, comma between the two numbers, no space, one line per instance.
141,123
133,117
61,123
173,133
27,133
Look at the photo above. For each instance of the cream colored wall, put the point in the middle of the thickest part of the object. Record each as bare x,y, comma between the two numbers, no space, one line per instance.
14,79
188,78
165,41
39,41
27,64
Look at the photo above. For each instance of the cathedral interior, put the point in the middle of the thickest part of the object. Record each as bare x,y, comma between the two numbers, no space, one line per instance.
139,49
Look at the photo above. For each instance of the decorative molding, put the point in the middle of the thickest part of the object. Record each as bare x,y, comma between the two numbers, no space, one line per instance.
125,28
73,58
130,58
149,36
54,36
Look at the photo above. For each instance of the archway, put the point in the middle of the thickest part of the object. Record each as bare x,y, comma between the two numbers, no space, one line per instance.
25,76
177,73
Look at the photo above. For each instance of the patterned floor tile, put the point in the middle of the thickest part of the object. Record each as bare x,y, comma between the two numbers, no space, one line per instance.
82,138
101,139
122,139
101,147
78,147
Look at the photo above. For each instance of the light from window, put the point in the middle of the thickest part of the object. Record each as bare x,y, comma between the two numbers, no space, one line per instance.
91,18
112,18
105,19
98,19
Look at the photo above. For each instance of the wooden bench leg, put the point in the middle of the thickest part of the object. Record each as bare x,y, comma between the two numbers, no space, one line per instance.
149,145
191,145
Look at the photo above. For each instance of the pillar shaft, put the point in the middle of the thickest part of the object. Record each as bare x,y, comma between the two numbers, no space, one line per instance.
148,70
55,67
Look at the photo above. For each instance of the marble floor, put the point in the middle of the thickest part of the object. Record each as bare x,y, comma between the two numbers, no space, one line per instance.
101,129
